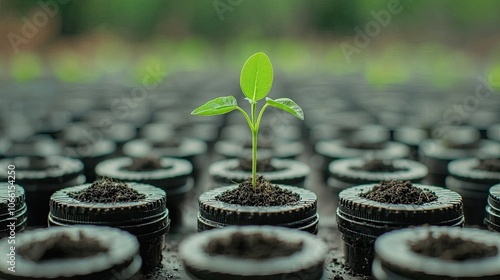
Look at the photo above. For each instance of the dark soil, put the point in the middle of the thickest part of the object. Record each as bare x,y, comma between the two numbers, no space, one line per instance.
377,165
399,192
37,163
168,143
464,145
346,272
265,194
107,191
361,145
261,144
252,246
490,165
145,164
61,246
263,165
451,248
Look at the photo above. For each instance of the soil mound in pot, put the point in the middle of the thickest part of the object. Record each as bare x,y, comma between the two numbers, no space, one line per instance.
107,191
378,165
399,192
453,248
265,194
144,164
61,246
490,165
252,246
263,165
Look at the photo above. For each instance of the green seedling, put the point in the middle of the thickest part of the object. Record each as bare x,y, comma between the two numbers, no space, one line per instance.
256,80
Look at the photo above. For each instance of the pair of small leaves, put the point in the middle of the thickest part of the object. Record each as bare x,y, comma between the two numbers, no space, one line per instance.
226,104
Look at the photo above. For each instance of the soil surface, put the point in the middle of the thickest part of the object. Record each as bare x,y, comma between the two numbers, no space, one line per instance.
453,248
399,192
378,165
37,163
454,144
145,164
252,246
365,145
169,143
265,194
261,144
490,165
61,246
263,165
107,191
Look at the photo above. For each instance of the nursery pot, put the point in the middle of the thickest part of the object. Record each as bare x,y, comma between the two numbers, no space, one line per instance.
436,156
147,219
232,148
42,176
13,215
190,149
332,150
397,259
473,185
492,220
172,175
346,173
217,214
253,252
79,253
361,220
286,172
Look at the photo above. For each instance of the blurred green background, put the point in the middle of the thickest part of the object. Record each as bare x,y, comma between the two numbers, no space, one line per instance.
386,42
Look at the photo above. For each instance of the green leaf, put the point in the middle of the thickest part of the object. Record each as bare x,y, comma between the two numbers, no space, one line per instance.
256,77
217,106
288,105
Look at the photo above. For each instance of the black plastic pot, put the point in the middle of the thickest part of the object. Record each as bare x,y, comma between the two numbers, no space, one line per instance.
305,264
473,185
332,150
189,149
90,154
494,133
146,219
37,145
395,259
492,220
436,154
288,172
174,179
121,260
411,137
282,149
216,214
13,215
361,220
40,177
344,173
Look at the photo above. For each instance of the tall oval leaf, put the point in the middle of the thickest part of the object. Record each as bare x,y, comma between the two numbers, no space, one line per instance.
287,105
256,77
217,106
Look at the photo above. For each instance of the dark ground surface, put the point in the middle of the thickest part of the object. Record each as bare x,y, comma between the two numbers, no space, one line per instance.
327,203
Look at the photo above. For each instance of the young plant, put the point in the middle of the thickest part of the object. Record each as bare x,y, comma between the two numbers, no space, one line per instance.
256,80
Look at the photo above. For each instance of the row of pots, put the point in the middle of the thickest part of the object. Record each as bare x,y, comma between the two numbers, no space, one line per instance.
360,220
